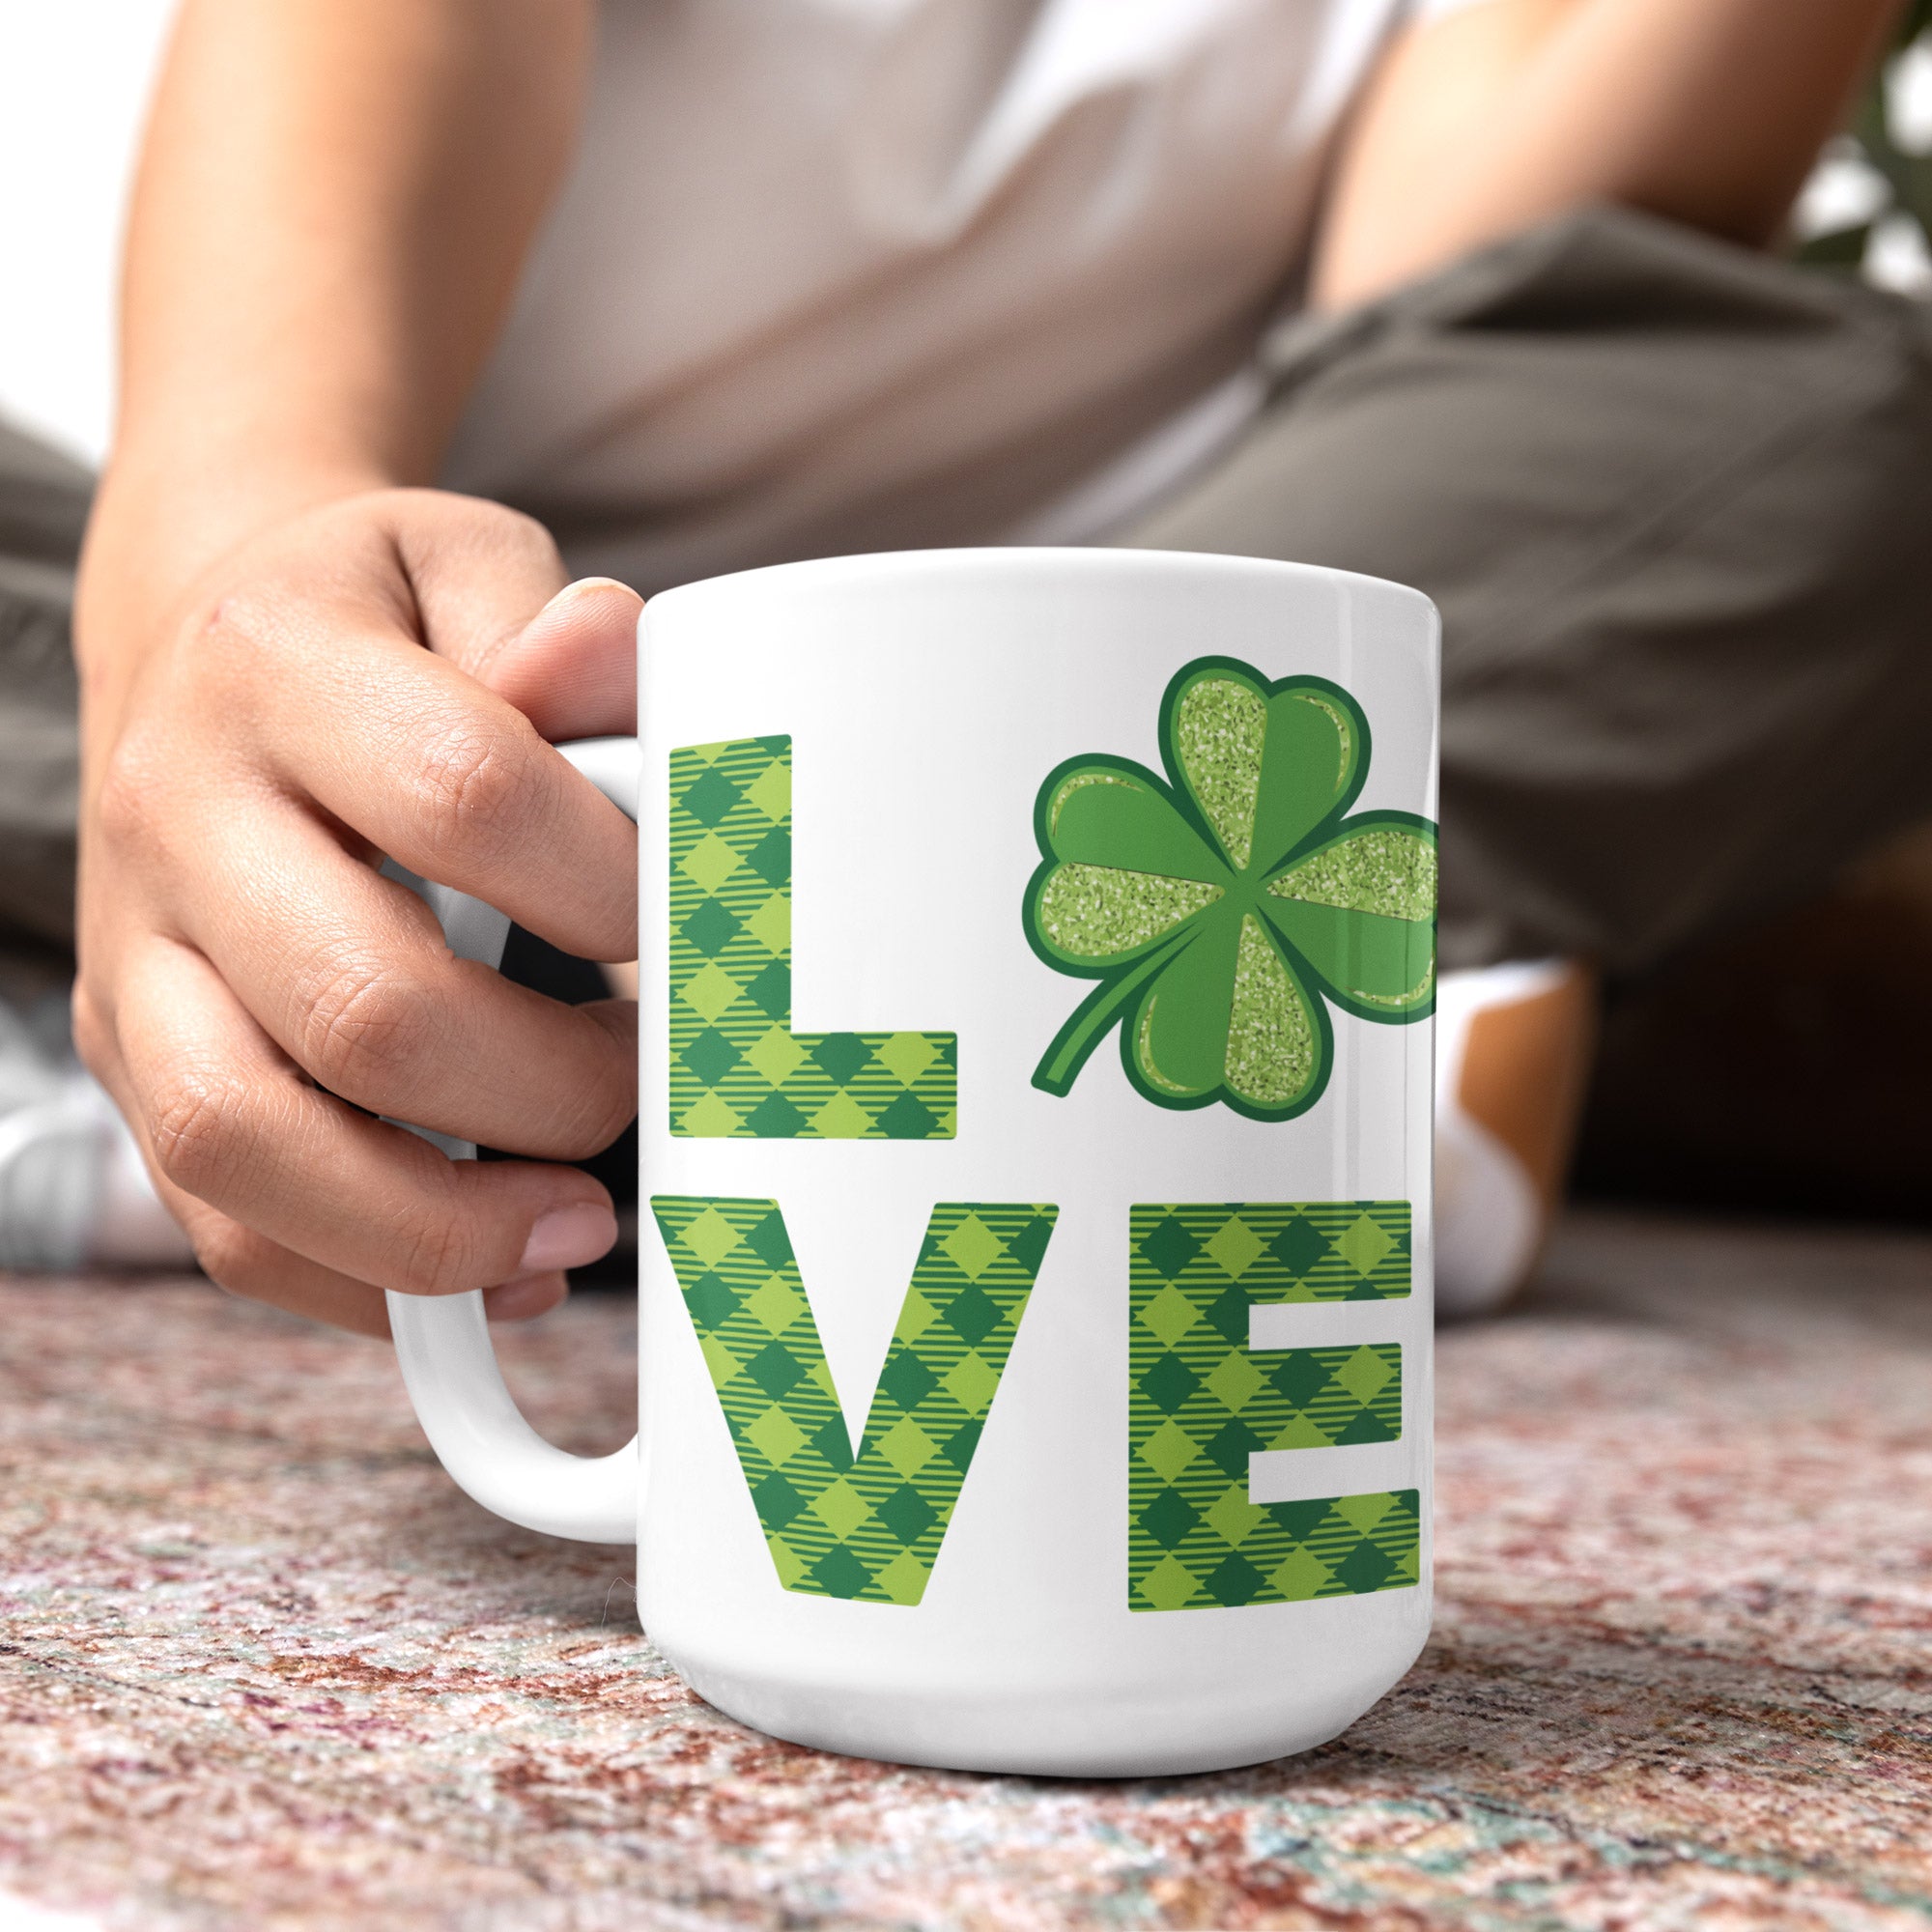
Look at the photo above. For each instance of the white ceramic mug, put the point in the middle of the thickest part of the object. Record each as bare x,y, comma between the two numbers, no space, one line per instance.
1036,964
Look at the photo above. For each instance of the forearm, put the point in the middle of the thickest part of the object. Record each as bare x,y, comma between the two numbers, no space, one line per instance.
1709,112
333,203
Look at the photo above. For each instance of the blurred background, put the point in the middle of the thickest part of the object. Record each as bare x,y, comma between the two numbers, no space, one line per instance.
73,82
1792,1060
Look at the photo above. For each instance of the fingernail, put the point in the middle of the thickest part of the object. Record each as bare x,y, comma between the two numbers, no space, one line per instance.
567,1238
522,1300
579,587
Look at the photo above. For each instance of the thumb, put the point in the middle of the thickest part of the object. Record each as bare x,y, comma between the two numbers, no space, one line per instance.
572,670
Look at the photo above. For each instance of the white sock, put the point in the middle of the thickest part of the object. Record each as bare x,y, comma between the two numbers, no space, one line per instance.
1488,1214
130,1229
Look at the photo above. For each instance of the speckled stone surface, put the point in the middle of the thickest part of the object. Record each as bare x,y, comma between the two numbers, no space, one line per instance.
262,1667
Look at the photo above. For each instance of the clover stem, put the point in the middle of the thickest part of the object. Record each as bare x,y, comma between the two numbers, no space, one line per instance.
1061,1064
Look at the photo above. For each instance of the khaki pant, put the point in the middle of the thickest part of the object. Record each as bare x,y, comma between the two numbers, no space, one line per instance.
1673,500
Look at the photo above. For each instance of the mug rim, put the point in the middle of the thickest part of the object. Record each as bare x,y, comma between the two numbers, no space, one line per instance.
999,559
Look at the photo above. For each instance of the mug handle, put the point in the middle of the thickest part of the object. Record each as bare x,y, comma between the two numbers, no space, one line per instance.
442,1342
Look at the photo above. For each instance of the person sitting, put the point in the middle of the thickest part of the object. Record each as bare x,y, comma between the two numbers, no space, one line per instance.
433,306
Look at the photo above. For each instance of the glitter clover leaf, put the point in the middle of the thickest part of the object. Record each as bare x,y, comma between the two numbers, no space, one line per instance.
1226,908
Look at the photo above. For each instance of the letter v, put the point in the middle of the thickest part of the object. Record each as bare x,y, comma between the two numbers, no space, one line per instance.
866,1528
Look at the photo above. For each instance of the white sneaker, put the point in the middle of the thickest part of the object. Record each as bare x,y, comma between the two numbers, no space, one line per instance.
1491,1210
73,1192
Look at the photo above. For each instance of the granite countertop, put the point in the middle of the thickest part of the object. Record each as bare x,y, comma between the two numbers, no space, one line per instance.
262,1666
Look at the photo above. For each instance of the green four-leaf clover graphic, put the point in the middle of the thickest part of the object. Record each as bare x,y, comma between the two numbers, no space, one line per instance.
1224,908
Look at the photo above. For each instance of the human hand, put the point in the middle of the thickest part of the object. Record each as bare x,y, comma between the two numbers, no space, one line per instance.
378,675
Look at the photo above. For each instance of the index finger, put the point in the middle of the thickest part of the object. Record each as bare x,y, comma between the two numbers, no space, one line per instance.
456,783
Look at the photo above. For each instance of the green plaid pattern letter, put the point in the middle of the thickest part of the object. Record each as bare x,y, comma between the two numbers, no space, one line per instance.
1200,1401
737,1069
868,1528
